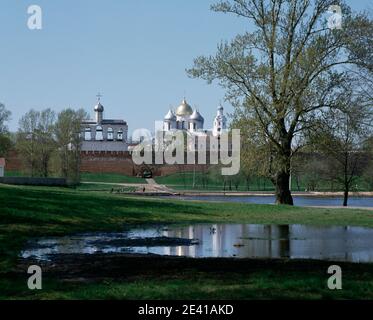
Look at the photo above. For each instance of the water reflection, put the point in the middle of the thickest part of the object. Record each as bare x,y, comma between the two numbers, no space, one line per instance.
227,240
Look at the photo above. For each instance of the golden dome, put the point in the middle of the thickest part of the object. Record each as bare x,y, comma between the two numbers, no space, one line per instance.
184,109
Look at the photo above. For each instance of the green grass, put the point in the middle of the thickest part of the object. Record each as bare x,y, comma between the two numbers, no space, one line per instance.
28,212
110,178
14,173
203,181
184,181
90,177
199,285
105,187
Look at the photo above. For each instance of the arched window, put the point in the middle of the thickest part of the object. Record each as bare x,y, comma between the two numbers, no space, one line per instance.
120,135
87,134
110,134
99,135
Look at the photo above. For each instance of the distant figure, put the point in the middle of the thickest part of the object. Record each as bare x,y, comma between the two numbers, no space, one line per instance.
143,189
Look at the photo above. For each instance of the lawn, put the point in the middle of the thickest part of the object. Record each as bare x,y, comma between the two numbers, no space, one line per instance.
28,212
91,177
110,178
92,186
189,284
199,181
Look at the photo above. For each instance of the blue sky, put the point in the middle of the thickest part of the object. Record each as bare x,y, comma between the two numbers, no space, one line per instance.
133,51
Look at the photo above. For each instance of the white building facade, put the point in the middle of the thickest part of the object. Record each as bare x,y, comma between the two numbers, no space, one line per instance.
104,134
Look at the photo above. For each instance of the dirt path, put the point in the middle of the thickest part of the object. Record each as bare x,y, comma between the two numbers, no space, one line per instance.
151,186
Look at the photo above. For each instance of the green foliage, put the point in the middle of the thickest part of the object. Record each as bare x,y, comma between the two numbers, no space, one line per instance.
51,147
310,177
35,140
5,140
68,139
5,144
4,118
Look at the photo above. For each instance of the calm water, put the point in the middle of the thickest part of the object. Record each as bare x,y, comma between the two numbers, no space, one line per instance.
352,244
298,200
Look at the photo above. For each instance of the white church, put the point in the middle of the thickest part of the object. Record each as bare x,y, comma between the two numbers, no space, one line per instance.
185,118
110,135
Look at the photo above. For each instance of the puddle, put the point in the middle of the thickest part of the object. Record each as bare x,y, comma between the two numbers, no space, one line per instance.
353,244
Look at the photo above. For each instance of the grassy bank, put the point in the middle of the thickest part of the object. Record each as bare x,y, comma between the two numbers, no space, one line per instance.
289,281
104,187
28,212
90,177
204,181
110,178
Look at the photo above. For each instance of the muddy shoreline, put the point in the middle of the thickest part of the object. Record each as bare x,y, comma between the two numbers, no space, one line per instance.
88,267
147,241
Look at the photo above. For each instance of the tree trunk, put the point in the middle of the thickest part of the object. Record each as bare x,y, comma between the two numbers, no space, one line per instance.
298,183
282,192
281,178
345,198
248,183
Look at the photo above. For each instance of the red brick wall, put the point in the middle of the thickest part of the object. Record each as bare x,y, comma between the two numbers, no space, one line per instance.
14,161
109,162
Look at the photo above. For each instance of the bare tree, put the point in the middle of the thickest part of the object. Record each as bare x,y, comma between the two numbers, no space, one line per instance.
284,73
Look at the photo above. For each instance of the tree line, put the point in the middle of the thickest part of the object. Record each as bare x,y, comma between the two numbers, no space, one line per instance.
49,143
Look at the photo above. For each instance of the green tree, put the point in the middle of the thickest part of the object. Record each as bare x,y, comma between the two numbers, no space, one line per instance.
340,139
5,141
284,73
35,140
68,139
368,170
255,150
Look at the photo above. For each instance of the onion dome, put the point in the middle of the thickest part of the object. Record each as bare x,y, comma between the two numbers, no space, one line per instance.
196,116
99,107
184,109
170,116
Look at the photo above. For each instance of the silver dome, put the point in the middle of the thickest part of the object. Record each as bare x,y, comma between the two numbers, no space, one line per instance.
99,107
170,115
196,116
